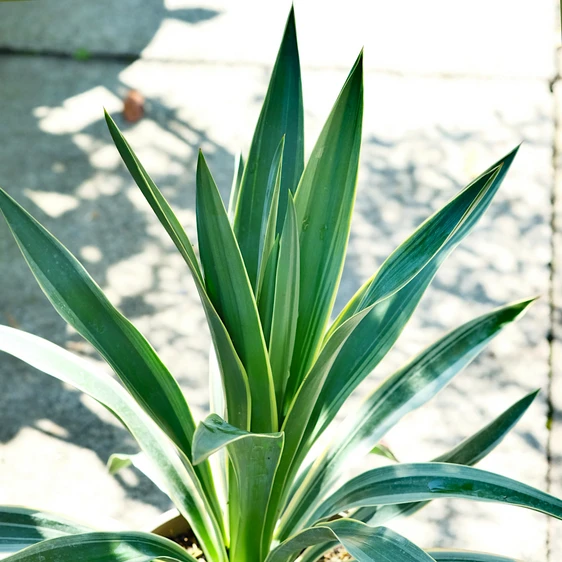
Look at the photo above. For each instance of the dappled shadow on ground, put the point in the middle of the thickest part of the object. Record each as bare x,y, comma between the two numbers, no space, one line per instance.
54,130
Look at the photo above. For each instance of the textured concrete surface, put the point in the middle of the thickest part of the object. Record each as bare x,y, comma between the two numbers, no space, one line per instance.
502,38
445,97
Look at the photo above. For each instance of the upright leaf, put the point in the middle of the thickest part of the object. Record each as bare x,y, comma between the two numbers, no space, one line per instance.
281,114
297,418
324,202
254,460
269,219
404,391
285,307
233,375
266,294
229,289
155,199
235,189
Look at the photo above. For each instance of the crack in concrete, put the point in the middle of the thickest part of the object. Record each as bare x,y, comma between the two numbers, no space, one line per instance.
81,56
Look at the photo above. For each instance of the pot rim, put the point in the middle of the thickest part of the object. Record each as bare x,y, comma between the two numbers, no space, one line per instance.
169,524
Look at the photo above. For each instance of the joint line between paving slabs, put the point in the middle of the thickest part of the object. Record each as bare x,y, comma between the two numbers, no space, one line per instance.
84,55
552,332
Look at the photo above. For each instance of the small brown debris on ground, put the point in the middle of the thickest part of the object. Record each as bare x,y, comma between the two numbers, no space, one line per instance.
133,106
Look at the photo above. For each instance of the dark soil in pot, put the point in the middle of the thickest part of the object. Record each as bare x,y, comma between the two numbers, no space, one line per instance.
174,527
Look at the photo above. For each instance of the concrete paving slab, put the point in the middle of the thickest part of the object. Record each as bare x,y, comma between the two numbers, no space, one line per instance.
424,139
494,39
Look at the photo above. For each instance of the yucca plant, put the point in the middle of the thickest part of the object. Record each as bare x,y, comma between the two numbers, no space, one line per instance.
267,274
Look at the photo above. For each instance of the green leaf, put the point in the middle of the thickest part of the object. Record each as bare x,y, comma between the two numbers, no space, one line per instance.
443,555
404,391
286,302
297,418
269,220
365,544
235,189
120,461
230,292
403,483
469,452
172,466
380,329
474,448
281,114
103,547
383,451
232,371
21,527
153,196
79,300
439,233
255,458
324,202
266,294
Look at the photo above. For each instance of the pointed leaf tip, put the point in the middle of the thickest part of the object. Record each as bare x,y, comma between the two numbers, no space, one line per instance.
507,160
522,305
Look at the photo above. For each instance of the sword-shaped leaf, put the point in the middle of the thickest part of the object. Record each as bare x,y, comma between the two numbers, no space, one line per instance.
469,452
285,307
439,232
281,114
324,202
379,331
408,482
235,189
232,371
80,301
229,289
266,294
269,223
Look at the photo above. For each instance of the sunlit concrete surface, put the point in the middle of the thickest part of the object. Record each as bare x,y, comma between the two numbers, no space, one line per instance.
449,89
